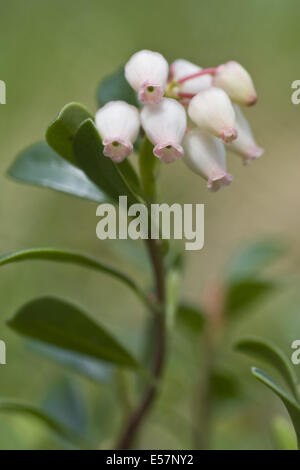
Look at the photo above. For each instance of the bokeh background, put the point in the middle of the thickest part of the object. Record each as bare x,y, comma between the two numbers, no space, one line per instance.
56,51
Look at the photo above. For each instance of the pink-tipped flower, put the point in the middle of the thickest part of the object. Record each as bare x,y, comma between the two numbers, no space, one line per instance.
165,125
118,124
147,73
237,83
245,144
211,110
183,68
205,155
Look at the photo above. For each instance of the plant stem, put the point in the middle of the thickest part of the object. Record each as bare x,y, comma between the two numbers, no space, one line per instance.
208,71
136,419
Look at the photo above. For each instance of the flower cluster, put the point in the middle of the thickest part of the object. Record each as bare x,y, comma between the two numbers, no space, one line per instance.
187,112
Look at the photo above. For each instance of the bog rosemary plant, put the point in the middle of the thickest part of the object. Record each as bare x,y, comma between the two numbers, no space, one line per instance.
161,114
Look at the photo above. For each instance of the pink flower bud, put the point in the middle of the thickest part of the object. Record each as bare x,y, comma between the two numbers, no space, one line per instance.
118,124
205,155
237,83
245,144
147,73
182,68
165,125
211,110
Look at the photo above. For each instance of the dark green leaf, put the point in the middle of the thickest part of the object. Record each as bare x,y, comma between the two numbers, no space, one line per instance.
191,317
17,406
252,259
66,256
115,87
100,169
224,385
61,131
243,295
130,176
61,324
261,349
292,407
93,369
40,165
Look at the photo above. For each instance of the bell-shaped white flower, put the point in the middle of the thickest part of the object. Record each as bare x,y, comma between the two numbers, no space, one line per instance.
147,73
245,144
183,68
118,124
211,110
165,125
237,83
205,155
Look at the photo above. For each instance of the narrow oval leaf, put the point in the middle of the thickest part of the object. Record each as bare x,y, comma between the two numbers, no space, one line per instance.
249,261
292,407
244,294
88,367
40,165
61,131
261,349
66,256
130,176
61,324
115,87
17,406
88,151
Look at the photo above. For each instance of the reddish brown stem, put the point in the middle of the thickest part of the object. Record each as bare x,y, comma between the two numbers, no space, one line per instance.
210,71
136,419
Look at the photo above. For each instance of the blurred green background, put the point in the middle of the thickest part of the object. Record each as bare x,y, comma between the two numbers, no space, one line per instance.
53,52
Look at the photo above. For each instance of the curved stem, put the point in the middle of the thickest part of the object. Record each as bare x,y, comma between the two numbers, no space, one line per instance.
210,71
135,420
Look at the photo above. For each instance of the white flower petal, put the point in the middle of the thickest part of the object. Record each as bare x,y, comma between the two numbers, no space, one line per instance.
205,155
165,125
245,144
212,111
182,68
147,73
118,124
237,83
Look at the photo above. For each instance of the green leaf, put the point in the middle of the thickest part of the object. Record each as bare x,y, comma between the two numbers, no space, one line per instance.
252,259
292,407
17,406
283,434
101,170
265,351
244,294
116,87
149,167
223,385
61,131
61,324
93,369
130,176
191,317
65,402
40,165
67,256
